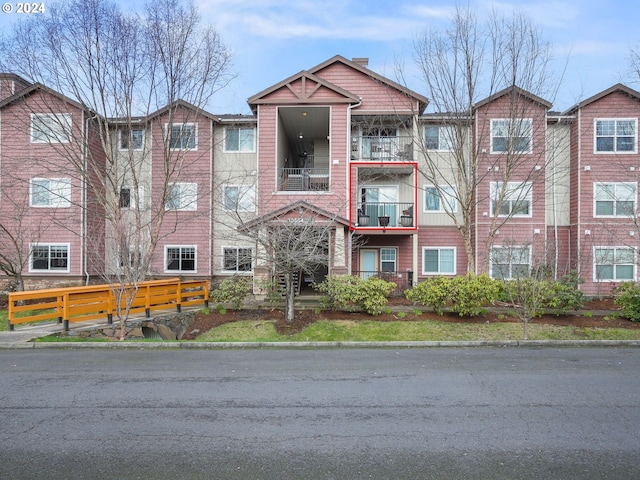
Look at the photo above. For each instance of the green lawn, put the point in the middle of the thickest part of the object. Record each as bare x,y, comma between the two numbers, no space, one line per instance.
350,331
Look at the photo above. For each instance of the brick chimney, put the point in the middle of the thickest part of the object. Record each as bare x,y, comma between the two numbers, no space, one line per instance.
362,61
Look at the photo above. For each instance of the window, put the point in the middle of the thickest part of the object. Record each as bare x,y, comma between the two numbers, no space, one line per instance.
237,259
183,136
180,259
51,192
515,202
440,199
182,196
51,128
614,264
509,262
439,138
616,135
438,261
615,199
239,198
388,259
49,258
131,138
511,136
128,197
239,139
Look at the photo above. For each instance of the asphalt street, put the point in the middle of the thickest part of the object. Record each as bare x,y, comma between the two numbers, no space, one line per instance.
420,413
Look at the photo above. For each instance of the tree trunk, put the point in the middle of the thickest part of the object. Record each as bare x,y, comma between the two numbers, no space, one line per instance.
291,296
526,330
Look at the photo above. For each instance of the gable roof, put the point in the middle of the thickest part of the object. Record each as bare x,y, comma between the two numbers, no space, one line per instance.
617,88
518,91
39,87
300,205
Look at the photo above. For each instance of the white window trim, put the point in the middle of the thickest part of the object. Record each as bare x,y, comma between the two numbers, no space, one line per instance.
49,271
395,259
242,190
441,135
528,247
224,139
192,206
614,151
59,200
122,130
613,280
236,248
439,189
493,187
169,126
439,272
510,120
67,127
195,259
635,200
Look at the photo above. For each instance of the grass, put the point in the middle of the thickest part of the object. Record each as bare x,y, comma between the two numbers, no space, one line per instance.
372,331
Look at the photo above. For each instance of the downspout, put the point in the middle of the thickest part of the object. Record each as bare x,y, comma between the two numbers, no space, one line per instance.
84,227
348,183
554,204
578,236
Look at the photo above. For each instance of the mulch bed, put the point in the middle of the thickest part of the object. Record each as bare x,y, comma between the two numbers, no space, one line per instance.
303,318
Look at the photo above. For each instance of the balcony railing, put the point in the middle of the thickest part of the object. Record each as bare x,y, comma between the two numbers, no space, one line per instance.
385,214
303,179
382,149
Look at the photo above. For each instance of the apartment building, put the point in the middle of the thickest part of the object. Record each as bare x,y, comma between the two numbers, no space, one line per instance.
350,148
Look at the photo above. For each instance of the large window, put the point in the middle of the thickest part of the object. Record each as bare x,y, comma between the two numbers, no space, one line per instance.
51,192
180,259
438,260
182,196
512,199
614,264
388,259
616,135
237,259
131,139
51,128
439,138
510,262
49,258
183,136
239,198
239,139
440,199
511,135
615,199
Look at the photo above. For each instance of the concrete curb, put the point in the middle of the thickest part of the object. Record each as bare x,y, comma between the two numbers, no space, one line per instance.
316,345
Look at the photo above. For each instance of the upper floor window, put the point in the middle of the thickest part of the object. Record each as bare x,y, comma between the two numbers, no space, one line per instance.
438,260
239,198
183,136
50,128
237,259
439,138
128,198
516,199
614,264
50,192
615,199
239,139
616,135
440,199
511,135
131,138
510,262
182,196
180,259
49,257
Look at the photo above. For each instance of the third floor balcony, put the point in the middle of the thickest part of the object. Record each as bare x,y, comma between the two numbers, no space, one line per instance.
382,148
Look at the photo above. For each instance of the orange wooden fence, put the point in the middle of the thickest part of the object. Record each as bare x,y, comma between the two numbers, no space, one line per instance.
77,304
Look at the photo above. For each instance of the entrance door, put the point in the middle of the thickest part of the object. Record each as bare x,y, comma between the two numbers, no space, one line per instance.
368,263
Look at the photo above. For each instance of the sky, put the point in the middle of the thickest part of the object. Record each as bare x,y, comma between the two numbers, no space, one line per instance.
271,40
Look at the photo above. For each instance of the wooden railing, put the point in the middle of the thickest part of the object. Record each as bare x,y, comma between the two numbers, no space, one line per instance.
77,304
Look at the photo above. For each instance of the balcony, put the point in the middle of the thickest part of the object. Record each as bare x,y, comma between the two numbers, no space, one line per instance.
303,179
382,149
385,215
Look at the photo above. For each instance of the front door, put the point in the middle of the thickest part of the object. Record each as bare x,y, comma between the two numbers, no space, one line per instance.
368,263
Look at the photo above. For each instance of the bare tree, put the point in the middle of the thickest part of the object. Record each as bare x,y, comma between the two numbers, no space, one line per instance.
142,83
505,62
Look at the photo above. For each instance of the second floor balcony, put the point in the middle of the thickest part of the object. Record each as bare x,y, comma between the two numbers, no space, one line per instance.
382,149
303,179
386,215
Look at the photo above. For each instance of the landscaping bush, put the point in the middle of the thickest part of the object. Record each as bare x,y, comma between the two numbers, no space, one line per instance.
564,295
628,299
346,292
233,291
433,292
